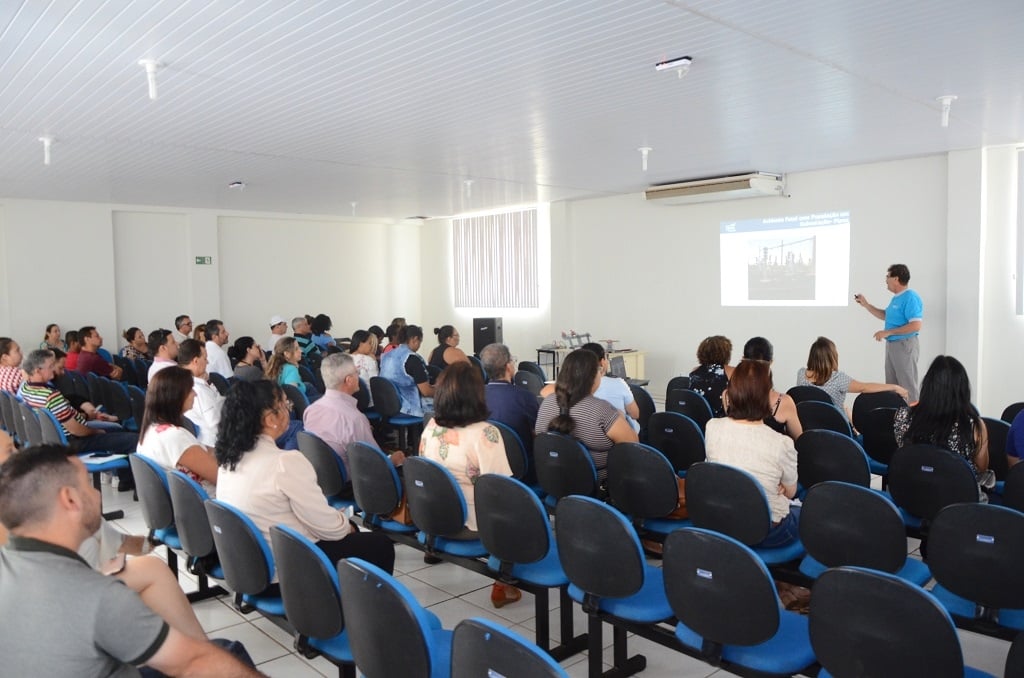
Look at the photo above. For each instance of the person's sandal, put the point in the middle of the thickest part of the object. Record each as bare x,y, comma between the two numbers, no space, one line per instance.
503,594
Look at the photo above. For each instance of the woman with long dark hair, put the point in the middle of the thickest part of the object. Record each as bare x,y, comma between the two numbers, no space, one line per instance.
447,351
274,486
250,363
163,436
944,416
573,410
742,440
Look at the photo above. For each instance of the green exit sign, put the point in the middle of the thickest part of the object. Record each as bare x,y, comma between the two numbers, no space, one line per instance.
204,261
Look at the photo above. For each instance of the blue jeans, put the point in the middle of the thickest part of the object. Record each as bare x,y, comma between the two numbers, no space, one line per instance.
785,533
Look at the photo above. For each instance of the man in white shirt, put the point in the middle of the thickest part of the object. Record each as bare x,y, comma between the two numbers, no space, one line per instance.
278,329
164,349
208,403
182,328
216,339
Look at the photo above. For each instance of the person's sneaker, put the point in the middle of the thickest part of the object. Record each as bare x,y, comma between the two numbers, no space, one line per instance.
125,485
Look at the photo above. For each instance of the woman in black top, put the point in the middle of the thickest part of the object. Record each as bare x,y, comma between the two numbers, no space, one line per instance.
447,351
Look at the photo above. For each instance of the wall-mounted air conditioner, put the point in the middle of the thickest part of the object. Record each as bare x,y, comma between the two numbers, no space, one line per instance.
751,185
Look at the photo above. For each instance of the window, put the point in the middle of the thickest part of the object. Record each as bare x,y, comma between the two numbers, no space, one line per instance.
495,260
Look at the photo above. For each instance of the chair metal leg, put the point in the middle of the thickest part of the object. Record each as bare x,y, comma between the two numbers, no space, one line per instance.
568,644
594,643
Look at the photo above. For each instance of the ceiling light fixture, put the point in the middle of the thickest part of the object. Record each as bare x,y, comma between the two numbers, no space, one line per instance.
237,185
644,152
47,142
681,65
353,203
467,185
151,66
947,102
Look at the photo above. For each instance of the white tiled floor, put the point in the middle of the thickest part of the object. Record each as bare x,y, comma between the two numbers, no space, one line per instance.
454,594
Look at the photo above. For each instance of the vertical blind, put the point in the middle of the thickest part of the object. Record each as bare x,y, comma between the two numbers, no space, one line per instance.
495,260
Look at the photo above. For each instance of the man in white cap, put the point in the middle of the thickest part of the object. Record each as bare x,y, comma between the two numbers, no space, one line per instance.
278,329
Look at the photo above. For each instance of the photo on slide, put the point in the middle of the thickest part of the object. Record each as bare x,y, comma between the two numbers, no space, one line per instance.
781,268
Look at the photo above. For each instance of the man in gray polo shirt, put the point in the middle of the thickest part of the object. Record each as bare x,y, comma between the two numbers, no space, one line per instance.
61,617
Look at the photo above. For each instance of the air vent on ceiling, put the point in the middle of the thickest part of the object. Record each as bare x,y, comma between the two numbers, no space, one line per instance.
750,185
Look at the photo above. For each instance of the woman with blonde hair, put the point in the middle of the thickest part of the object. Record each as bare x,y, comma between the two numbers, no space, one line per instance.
283,367
823,371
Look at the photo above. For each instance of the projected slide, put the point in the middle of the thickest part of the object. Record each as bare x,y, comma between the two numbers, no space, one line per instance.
786,261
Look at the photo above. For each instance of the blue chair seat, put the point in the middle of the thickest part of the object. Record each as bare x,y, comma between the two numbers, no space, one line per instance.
339,503
786,652
954,604
665,525
273,605
404,420
100,466
782,554
913,570
337,648
647,606
877,467
545,572
389,525
468,548
169,536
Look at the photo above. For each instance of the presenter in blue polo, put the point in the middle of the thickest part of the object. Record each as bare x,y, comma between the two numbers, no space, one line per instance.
903,317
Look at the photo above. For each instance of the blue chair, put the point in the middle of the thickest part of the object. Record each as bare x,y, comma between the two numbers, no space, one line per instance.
678,437
330,469
31,432
876,428
865,402
924,479
377,488
528,380
364,403
610,578
312,598
377,608
730,501
690,403
482,648
188,503
644,486
530,366
297,398
388,405
868,623
814,415
518,460
564,467
246,559
805,393
439,509
826,455
646,407
157,511
728,607
845,524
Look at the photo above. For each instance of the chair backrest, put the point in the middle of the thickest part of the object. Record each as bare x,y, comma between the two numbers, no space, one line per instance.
52,431
309,584
514,449
845,524
528,380
801,394
644,403
7,413
31,432
297,398
719,588
187,502
998,431
598,547
480,366
814,415
309,376
678,437
385,397
924,479
131,375
826,455
682,383
869,623
220,383
482,648
690,403
330,471
379,607
727,500
81,384
436,503
563,465
244,554
96,395
975,551
117,401
19,423
641,481
511,521
530,366
362,396
142,372
151,486
865,402
1011,412
375,482
1013,490
876,426
138,400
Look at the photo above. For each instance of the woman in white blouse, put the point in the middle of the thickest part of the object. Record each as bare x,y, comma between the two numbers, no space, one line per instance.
364,353
278,487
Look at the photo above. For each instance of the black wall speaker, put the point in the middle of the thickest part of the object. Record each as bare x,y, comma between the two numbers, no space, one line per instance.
486,331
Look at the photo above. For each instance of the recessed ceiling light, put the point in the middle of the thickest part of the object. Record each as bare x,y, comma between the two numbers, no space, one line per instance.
151,66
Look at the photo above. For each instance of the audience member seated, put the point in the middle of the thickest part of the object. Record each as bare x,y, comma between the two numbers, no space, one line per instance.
250,362
614,390
283,367
711,377
182,328
321,327
205,411
393,340
364,353
72,620
199,333
164,349
278,329
89,360
407,370
136,346
944,416
10,365
460,439
823,371
509,404
447,351
379,333
304,336
74,349
742,440
276,487
37,392
163,436
573,410
216,355
1015,440
334,418
783,417
52,340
